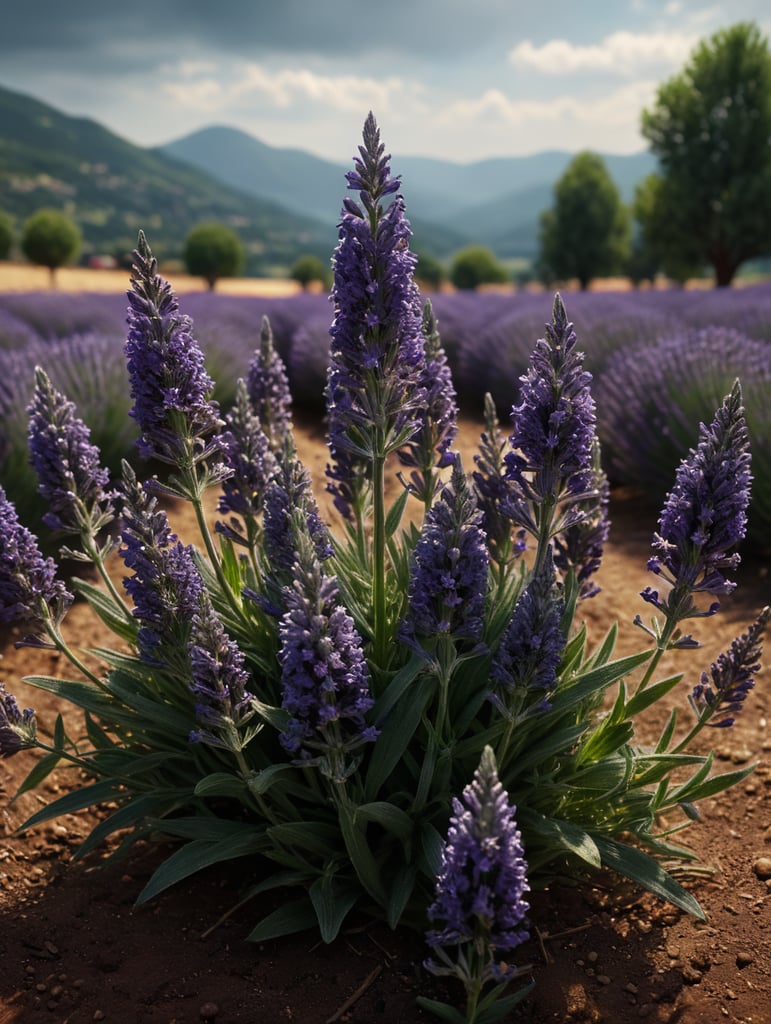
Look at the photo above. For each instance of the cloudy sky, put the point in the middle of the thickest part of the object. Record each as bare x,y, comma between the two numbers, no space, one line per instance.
457,79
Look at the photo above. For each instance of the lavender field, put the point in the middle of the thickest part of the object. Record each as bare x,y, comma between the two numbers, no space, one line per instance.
661,362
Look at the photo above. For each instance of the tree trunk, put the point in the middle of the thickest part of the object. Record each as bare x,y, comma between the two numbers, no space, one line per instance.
725,269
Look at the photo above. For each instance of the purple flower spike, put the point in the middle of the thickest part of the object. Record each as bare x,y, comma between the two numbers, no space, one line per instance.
481,886
720,695
377,346
268,389
29,589
553,426
166,585
429,447
531,647
168,380
494,492
248,456
70,475
581,545
18,729
220,680
448,582
324,674
705,514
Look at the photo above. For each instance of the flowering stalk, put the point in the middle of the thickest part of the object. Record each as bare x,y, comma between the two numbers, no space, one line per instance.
268,389
373,385
550,466
480,906
720,694
30,594
18,729
448,585
428,450
178,423
704,517
70,477
492,488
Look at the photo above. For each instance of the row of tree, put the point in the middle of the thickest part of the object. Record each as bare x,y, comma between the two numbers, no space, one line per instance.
709,205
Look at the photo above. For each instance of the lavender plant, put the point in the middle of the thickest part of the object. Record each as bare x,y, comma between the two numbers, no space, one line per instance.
314,699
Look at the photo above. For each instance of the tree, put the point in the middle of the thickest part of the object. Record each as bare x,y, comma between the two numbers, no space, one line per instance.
660,244
474,266
430,272
309,268
6,235
50,239
709,127
213,251
586,233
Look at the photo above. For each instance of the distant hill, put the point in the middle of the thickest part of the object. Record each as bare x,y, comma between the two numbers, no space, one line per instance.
493,202
113,188
281,202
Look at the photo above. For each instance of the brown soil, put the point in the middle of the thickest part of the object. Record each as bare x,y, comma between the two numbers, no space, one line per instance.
75,949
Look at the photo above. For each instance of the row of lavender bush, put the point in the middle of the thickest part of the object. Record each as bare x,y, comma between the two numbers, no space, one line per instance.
661,361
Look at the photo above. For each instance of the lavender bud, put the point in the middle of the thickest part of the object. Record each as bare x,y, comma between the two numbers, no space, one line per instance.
248,455
721,693
168,380
377,347
30,593
705,514
70,476
429,447
448,581
553,426
532,644
481,886
18,729
268,389
580,545
494,492
324,674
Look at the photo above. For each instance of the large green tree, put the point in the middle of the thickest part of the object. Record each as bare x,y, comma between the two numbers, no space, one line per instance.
586,232
50,239
6,235
213,251
475,266
710,127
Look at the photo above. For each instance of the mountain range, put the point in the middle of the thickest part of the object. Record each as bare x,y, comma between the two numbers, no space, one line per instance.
282,202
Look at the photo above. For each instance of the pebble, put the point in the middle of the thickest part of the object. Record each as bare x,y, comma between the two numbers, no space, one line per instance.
592,957
208,1011
691,976
98,1015
603,979
744,958
762,867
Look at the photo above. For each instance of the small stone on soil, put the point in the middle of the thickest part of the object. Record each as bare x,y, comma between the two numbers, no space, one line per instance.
762,867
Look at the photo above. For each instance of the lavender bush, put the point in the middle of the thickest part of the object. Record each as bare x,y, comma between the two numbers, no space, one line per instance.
315,699
650,396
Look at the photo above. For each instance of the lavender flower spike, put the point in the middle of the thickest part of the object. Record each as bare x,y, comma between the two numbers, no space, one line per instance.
705,514
268,389
429,448
448,582
168,380
219,682
553,432
166,585
532,644
18,729
720,695
30,593
324,674
377,346
70,475
253,465
482,882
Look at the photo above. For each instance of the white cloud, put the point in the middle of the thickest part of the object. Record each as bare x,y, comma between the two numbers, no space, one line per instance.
287,87
622,53
609,122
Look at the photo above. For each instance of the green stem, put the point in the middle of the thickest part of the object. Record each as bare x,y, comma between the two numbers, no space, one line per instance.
379,610
61,645
211,551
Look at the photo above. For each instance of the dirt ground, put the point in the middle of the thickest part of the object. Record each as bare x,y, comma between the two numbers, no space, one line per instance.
74,949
